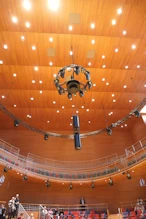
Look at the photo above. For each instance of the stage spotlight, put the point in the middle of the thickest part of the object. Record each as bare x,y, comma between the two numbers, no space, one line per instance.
89,84
71,186
77,70
76,124
46,136
47,183
25,177
62,73
129,176
16,123
92,185
81,93
60,90
88,75
109,131
137,113
77,141
111,183
56,82
5,169
69,95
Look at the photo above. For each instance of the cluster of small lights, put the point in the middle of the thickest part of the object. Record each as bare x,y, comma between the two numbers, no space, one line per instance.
111,113
28,116
122,126
107,83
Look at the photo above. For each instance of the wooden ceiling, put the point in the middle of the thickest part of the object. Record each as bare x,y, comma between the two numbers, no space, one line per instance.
20,59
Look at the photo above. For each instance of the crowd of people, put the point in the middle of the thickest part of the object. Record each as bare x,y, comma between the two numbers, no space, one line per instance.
140,208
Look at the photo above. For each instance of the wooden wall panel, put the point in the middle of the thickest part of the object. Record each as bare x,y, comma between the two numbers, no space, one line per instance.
63,149
138,131
35,191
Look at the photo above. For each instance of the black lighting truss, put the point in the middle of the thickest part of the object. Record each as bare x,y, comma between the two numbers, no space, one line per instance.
39,131
71,85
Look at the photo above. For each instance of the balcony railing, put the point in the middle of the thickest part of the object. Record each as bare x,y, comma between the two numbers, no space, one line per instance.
72,171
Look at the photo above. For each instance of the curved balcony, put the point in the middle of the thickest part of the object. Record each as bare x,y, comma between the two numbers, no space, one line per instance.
72,171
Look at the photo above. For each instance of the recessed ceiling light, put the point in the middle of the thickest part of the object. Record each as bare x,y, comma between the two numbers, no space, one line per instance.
111,113
62,107
125,125
107,83
116,50
121,126
48,121
22,38
126,66
94,85
89,121
27,4
28,116
124,32
87,110
70,27
27,24
114,101
32,98
130,101
40,82
57,111
138,66
33,81
133,46
14,105
14,74
103,56
54,4
54,75
89,63
113,22
119,11
51,39
103,79
36,68
54,102
50,63
41,91
93,41
144,85
1,62
92,26
71,117
77,111
93,100
73,105
14,19
70,124
3,96
125,86
71,53
82,107
5,46
33,47
104,66
113,95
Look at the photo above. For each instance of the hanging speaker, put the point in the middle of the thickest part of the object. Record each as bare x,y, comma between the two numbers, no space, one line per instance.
77,141
76,124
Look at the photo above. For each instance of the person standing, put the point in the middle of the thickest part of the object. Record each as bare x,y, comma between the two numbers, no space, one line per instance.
2,212
11,208
17,201
82,203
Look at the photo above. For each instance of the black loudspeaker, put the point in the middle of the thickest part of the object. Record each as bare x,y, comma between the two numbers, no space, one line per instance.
76,124
77,141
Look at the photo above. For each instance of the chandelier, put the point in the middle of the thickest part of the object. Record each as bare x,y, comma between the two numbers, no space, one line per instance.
66,80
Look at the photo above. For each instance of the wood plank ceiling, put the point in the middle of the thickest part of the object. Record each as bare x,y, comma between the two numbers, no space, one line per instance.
117,68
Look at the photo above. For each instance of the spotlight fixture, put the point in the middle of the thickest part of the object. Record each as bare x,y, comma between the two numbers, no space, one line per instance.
109,131
70,186
137,113
111,183
25,177
128,176
47,183
92,185
71,85
16,123
5,169
46,136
